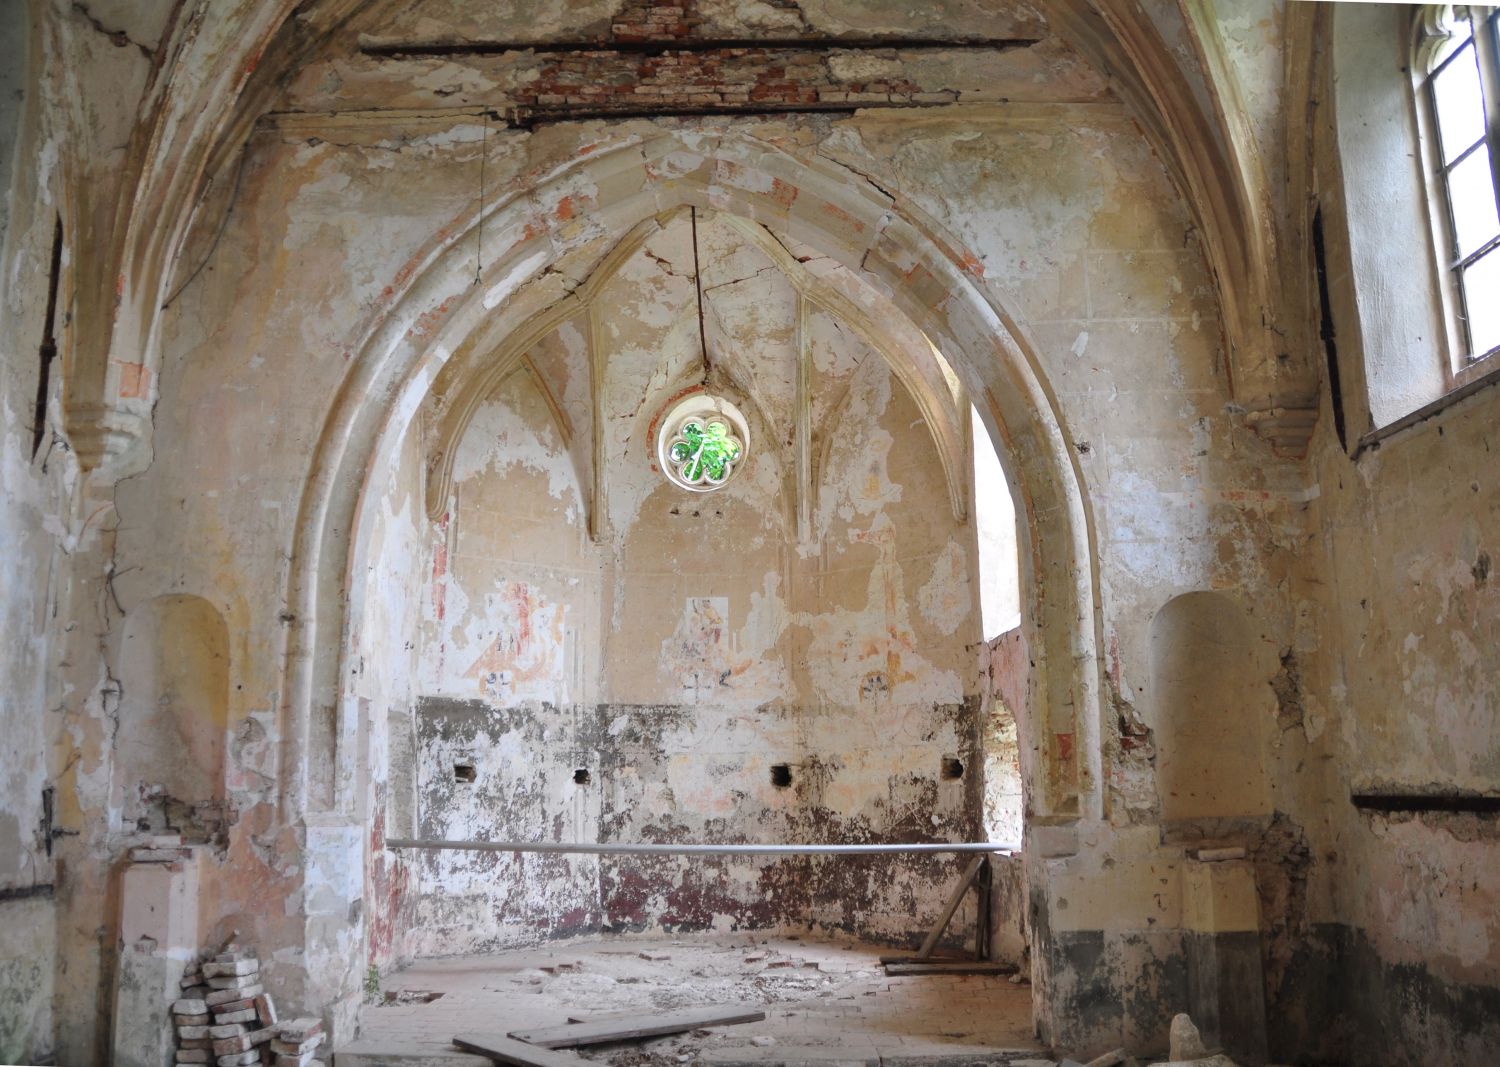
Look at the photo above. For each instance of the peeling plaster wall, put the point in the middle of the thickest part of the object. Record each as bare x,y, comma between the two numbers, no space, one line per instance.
244,391
1002,737
1396,958
1025,63
1410,618
1388,244
385,658
1061,215
1118,304
33,496
1070,219
455,20
699,644
511,668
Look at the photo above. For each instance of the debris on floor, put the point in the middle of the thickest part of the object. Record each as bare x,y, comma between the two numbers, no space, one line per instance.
637,1027
1186,1049
225,1017
834,1004
507,1050
1185,1041
411,996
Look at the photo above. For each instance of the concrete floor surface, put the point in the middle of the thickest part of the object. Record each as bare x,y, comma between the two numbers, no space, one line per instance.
827,1003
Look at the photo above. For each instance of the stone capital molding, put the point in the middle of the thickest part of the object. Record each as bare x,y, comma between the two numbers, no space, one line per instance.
103,435
1287,427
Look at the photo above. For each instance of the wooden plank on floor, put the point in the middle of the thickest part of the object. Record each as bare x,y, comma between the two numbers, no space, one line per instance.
641,1026
920,967
514,1053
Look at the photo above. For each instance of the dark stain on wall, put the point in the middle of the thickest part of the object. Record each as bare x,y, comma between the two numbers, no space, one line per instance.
1356,1008
491,773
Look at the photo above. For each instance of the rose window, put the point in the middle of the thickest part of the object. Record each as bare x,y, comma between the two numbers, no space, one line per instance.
702,443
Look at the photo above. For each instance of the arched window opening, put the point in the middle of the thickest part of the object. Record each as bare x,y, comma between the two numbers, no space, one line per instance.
995,523
1458,68
1003,657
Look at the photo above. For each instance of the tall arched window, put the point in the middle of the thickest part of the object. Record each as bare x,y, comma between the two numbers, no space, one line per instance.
1458,81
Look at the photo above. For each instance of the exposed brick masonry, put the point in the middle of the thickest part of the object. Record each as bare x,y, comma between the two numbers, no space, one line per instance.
731,77
664,56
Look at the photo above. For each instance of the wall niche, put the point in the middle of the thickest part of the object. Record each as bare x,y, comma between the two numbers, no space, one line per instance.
1213,710
174,716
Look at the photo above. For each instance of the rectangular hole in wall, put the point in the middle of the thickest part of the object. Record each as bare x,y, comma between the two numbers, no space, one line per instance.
781,775
952,769
464,772
581,776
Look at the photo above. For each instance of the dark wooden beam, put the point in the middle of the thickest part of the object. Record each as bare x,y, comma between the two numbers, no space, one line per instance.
665,46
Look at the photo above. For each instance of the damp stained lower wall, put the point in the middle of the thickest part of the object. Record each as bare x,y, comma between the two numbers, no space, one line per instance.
1406,963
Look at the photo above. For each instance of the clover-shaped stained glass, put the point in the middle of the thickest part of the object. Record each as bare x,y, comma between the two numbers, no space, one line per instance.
704,451
702,441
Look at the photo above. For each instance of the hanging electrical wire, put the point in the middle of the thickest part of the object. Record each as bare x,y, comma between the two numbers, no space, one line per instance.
484,145
698,285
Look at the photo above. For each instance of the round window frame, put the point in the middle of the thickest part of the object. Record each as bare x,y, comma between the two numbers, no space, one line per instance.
706,407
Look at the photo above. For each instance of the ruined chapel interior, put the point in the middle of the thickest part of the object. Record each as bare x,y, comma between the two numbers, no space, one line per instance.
477,479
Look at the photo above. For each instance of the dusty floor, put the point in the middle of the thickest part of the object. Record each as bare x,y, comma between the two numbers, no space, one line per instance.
826,1002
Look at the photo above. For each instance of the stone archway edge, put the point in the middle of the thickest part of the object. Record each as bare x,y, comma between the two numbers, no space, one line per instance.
434,305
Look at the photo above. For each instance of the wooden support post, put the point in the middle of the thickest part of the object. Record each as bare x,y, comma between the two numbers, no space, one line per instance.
954,901
983,886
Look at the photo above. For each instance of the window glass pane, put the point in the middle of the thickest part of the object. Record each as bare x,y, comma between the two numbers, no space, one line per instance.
1472,194
1460,104
1482,300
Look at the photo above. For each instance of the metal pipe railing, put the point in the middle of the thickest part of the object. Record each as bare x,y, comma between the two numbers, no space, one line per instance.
628,849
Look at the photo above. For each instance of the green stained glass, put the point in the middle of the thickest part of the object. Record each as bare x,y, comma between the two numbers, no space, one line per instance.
705,451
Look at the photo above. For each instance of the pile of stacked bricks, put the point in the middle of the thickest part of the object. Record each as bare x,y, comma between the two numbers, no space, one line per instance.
226,1017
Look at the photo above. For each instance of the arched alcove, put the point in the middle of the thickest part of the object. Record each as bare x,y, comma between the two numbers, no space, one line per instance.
174,715
1212,722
